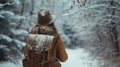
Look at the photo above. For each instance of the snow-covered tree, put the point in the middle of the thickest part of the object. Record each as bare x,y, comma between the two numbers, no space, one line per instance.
10,44
98,24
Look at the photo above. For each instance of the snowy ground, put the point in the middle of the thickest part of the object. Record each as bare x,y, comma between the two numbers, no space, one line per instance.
77,58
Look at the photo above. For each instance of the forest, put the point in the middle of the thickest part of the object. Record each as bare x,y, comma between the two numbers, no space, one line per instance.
89,25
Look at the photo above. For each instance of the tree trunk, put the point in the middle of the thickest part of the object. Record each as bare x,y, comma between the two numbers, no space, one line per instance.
31,11
22,13
114,33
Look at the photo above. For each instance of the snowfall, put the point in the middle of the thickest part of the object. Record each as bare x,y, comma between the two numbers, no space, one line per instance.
76,58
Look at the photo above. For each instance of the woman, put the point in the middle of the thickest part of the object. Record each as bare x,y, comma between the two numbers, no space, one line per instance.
57,53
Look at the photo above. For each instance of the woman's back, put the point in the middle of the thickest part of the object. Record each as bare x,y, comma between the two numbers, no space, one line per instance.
52,56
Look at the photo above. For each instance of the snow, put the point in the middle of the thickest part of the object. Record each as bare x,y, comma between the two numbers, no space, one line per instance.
79,57
40,41
19,43
76,57
10,64
5,37
19,32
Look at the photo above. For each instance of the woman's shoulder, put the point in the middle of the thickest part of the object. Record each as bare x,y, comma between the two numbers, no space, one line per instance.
57,36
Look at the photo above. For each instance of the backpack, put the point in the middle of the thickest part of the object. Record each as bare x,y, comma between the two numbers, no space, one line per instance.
39,44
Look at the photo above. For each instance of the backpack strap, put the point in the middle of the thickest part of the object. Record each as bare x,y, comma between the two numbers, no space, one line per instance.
44,44
35,39
45,53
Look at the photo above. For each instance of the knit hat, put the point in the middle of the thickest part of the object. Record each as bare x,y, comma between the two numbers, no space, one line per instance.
44,17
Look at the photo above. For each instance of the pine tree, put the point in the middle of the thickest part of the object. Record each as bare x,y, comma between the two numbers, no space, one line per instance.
10,45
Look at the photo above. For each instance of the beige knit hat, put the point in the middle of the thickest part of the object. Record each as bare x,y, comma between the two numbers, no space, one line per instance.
44,17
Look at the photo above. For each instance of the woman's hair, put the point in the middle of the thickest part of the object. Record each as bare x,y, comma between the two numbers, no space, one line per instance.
37,29
53,26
